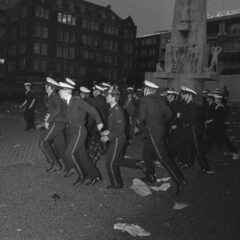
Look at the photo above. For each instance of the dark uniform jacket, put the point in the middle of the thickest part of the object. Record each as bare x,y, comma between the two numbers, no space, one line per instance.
155,113
77,110
219,118
54,105
116,122
100,104
29,96
191,115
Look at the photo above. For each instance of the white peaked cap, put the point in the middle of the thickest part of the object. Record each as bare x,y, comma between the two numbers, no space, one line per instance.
84,90
97,87
170,92
130,88
106,84
65,85
217,96
190,90
52,81
150,84
27,84
70,81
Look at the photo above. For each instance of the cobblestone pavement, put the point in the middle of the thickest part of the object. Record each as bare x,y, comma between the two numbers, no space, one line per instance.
35,205
17,146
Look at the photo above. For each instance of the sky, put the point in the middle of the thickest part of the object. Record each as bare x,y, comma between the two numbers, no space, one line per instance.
155,15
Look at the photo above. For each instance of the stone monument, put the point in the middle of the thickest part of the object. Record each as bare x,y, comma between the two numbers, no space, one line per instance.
186,59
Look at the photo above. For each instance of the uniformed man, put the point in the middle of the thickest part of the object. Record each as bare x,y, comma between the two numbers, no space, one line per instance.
155,113
116,137
190,117
84,92
208,122
76,134
220,126
95,145
29,107
54,124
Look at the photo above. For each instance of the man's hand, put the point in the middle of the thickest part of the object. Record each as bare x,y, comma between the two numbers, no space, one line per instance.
46,125
99,126
104,139
46,117
178,115
105,133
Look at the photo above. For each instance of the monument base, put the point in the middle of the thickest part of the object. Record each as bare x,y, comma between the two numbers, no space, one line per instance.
176,80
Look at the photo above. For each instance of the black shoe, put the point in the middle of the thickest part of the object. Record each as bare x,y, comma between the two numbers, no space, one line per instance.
149,179
50,170
80,180
205,170
181,185
94,181
115,186
68,173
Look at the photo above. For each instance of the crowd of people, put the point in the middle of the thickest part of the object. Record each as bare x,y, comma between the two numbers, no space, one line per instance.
79,128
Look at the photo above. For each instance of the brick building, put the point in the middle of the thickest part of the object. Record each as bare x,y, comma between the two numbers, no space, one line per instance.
68,38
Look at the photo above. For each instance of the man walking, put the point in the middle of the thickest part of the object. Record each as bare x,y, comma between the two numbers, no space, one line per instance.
155,114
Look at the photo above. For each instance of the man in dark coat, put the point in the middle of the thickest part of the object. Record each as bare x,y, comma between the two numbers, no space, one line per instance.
156,114
52,138
76,156
116,136
29,107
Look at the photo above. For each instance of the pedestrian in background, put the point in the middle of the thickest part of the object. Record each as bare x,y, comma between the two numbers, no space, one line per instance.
28,107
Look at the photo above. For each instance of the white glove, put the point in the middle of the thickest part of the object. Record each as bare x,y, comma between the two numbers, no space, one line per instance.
99,126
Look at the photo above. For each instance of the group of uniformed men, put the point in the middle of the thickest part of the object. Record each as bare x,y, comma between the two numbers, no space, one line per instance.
170,124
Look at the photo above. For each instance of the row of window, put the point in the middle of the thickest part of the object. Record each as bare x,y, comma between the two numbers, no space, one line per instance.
147,52
232,44
65,52
40,65
148,64
66,19
67,37
90,24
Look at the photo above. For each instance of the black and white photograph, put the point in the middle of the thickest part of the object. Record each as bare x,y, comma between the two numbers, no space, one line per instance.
119,119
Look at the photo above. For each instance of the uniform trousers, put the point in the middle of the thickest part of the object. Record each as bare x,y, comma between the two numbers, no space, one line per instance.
210,137
52,143
155,148
76,154
221,137
193,139
114,155
29,117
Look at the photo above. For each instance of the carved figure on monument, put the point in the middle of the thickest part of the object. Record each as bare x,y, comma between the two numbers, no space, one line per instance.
193,55
184,11
159,68
215,50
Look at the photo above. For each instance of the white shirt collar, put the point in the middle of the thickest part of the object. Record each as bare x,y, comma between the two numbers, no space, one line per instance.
68,99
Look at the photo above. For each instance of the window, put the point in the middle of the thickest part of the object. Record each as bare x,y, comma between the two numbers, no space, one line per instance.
22,64
39,65
65,52
66,19
12,50
90,24
24,12
22,48
11,66
23,31
42,13
40,48
111,30
41,31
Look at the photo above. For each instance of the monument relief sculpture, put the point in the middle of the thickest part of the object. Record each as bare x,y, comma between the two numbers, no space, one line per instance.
184,11
159,68
215,50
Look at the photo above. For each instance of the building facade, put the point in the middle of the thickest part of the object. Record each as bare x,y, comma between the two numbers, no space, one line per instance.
73,38
151,50
224,31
